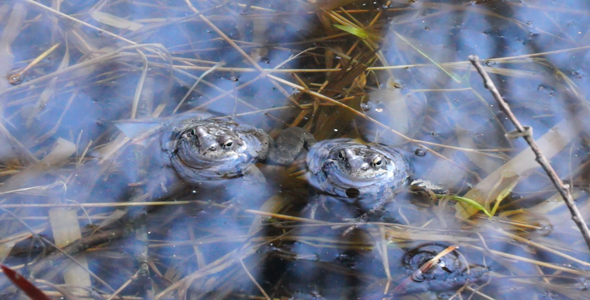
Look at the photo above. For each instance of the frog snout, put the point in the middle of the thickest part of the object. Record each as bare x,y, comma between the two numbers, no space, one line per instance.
208,145
357,166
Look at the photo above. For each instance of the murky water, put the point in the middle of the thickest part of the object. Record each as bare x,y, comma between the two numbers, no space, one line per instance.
86,84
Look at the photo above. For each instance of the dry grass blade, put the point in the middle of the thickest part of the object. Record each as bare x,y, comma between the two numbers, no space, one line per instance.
22,152
7,243
6,247
64,224
123,286
550,143
382,246
18,77
451,74
423,235
540,246
57,157
4,9
195,85
78,21
120,52
220,264
55,127
61,289
115,21
331,100
49,90
556,267
9,34
429,264
350,70
273,205
225,37
140,83
60,255
465,140
253,279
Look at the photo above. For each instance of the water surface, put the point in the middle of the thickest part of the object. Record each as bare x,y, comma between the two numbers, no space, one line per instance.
390,72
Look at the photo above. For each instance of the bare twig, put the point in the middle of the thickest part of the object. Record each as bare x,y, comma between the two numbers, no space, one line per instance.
525,132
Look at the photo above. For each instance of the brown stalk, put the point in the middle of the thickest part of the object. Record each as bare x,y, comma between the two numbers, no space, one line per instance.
526,133
16,78
360,114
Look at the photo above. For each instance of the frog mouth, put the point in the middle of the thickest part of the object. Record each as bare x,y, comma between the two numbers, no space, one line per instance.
341,178
198,167
189,155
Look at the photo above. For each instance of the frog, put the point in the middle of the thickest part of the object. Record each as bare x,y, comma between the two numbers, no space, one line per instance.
213,149
448,272
366,175
354,171
200,149
205,149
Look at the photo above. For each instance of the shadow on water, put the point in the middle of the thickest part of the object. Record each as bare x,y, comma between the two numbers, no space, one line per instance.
89,89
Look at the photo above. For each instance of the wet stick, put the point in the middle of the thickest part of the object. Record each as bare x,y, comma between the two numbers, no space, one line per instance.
526,133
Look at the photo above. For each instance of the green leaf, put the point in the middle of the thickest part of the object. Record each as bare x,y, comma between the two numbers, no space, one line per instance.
503,194
361,33
471,202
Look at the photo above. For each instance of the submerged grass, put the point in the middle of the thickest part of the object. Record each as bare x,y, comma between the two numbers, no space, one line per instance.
69,72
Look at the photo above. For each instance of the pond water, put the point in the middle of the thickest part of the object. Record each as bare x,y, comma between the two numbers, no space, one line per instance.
89,89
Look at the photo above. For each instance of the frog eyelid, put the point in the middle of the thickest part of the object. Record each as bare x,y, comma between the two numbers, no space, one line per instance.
376,161
226,142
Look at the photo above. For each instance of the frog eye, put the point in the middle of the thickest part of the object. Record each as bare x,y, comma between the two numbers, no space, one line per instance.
341,155
376,162
193,132
227,144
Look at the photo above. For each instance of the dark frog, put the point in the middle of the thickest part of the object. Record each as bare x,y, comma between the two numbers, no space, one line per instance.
196,149
447,272
209,149
351,170
367,176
